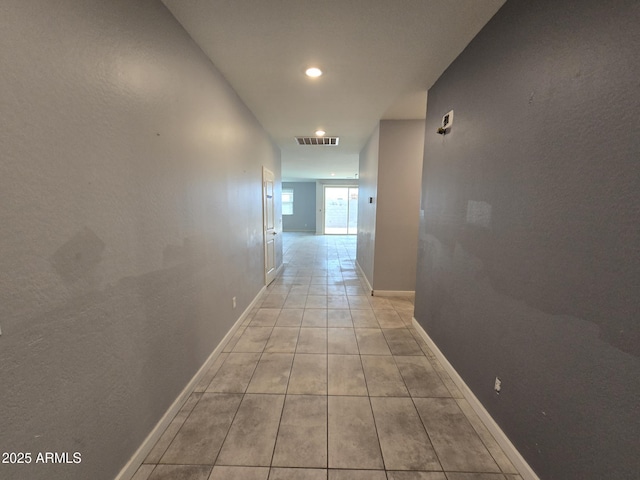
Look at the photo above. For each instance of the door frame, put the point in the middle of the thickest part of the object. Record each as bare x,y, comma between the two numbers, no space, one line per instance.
268,234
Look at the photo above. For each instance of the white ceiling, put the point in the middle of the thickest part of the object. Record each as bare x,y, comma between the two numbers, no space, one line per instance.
379,57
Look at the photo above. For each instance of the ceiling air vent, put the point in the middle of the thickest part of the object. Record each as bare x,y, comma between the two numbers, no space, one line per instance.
322,141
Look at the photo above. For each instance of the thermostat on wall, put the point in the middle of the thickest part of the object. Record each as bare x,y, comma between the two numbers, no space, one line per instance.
447,120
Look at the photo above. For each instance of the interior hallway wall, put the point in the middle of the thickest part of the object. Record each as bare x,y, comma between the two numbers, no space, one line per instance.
390,172
368,178
131,212
398,204
529,258
304,208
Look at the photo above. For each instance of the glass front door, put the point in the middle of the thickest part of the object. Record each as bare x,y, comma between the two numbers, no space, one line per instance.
340,210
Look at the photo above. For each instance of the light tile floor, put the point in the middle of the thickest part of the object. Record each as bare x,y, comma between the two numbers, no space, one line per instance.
323,381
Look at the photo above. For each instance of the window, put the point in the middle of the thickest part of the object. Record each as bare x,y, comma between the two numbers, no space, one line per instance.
287,201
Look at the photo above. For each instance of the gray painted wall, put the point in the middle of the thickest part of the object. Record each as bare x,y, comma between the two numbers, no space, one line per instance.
398,205
130,204
390,170
529,255
304,208
368,187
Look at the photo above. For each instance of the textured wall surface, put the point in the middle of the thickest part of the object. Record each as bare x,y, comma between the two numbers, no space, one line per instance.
130,205
390,166
529,253
304,208
368,181
399,170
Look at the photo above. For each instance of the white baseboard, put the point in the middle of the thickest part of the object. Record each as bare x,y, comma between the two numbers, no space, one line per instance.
277,271
394,293
526,472
369,287
129,470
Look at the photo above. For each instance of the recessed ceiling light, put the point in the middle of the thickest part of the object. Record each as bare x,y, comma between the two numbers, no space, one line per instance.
313,72
320,133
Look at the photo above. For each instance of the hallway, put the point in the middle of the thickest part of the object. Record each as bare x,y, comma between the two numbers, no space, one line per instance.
322,381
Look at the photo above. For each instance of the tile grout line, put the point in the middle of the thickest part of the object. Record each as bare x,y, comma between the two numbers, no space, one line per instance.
422,422
237,410
375,425
241,399
181,426
283,402
327,396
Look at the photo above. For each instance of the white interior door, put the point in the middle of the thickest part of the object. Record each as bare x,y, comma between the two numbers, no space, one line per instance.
268,220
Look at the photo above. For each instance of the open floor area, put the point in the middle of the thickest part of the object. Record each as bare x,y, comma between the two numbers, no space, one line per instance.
324,381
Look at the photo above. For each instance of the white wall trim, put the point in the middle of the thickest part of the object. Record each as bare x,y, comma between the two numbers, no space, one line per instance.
278,271
394,293
369,287
384,293
129,470
526,472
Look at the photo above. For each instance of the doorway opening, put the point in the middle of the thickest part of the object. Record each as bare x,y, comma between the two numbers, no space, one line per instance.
340,210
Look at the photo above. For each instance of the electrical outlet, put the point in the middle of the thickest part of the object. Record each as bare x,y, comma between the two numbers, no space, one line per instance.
497,386
233,302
